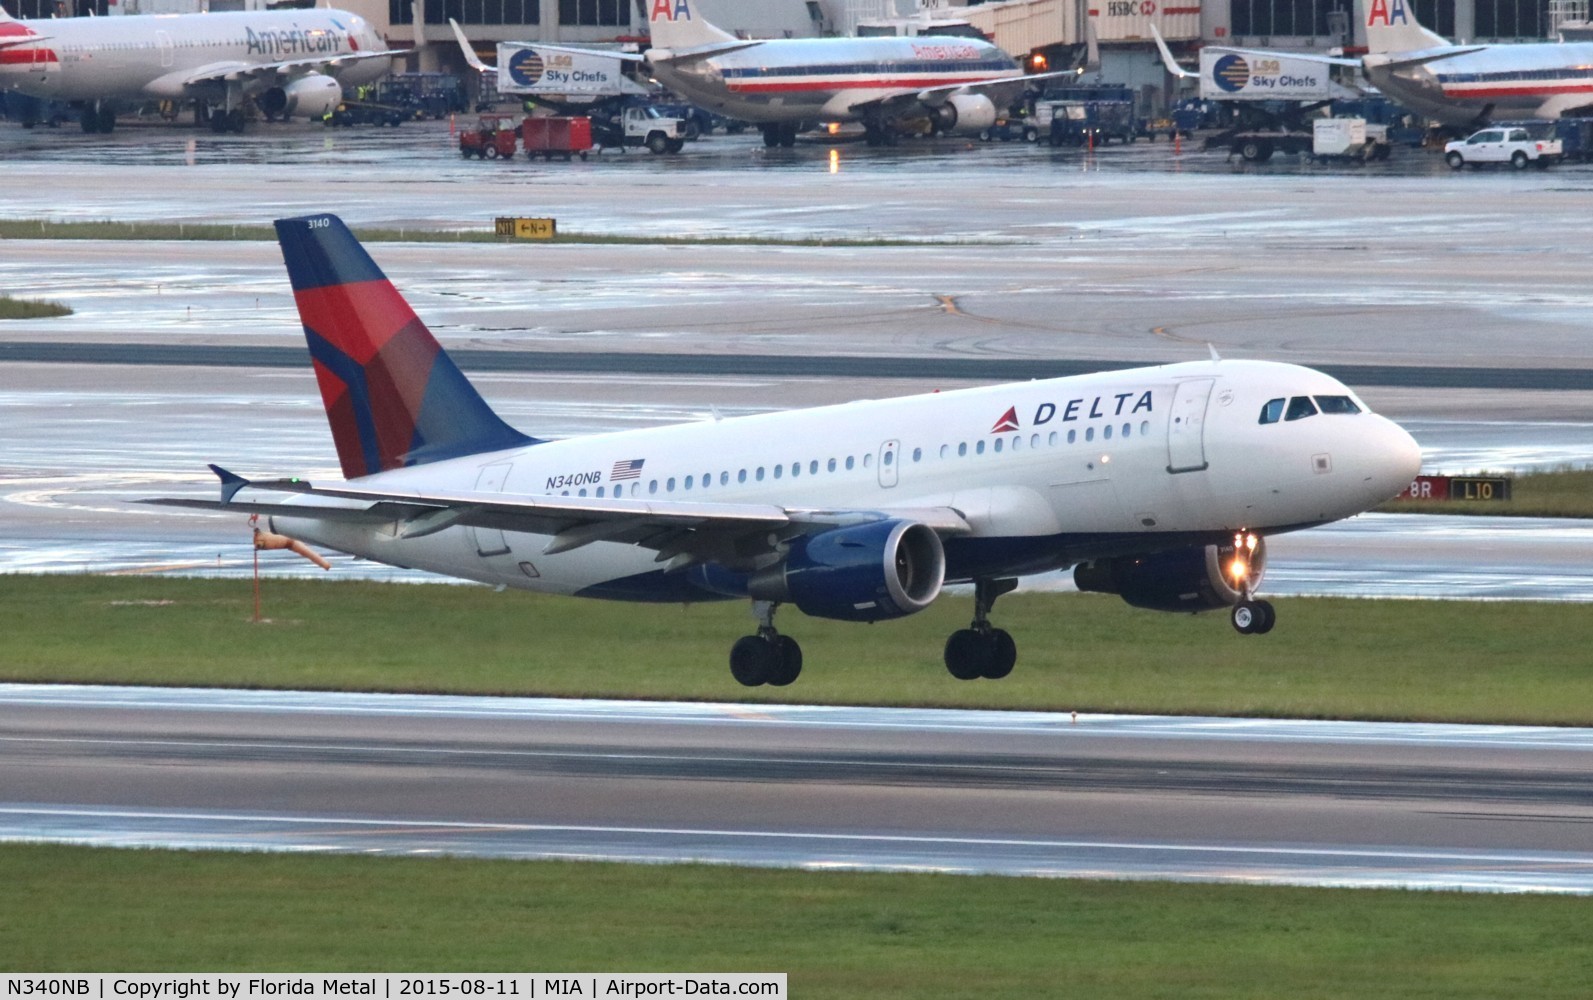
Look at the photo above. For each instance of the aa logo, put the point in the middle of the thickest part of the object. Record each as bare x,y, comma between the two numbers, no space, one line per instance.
671,10
1387,13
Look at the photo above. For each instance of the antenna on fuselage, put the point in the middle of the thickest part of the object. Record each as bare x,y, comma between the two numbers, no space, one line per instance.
1213,349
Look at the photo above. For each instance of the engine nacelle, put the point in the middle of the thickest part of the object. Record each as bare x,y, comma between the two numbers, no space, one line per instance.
964,113
862,573
1197,578
310,96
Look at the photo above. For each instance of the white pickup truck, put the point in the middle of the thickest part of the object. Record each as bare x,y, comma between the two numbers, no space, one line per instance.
1514,146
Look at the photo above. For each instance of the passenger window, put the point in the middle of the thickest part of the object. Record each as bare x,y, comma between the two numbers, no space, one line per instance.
918,453
652,487
831,466
979,448
759,474
688,482
1051,439
849,463
1073,435
741,476
1272,411
779,470
796,468
1106,432
600,491
890,458
581,493
962,448
1300,407
671,485
1089,434
868,461
1128,429
945,450
1144,427
998,446
1034,439
813,467
724,478
1336,404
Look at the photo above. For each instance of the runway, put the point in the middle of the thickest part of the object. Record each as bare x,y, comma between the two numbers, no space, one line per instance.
1486,808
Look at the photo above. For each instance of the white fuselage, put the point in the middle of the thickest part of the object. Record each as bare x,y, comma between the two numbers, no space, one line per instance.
1046,473
1535,80
159,56
822,79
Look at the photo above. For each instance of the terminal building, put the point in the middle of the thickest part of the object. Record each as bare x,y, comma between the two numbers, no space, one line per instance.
1050,34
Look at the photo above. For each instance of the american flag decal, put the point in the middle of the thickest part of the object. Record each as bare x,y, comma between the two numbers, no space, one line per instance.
631,468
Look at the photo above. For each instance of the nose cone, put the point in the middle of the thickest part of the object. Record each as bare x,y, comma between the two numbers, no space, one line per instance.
1397,458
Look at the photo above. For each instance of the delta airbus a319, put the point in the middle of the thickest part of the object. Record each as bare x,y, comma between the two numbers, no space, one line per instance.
1158,484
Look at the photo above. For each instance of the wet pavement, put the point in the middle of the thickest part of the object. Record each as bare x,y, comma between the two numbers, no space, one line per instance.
1139,254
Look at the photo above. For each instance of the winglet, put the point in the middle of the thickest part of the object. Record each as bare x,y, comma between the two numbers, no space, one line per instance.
470,53
1213,349
231,483
1167,57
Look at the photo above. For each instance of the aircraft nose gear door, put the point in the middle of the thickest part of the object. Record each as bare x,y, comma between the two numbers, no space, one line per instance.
490,541
1186,444
887,463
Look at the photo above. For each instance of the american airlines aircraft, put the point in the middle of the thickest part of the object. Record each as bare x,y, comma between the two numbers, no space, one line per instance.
950,84
290,62
1157,484
1470,85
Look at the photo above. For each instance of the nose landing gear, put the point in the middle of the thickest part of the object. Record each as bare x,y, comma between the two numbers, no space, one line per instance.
1250,616
981,650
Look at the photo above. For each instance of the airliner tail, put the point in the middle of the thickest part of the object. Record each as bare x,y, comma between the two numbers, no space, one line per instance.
393,397
675,27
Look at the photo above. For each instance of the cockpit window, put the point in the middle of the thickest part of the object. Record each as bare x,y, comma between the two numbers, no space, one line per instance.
1272,411
1300,407
1336,404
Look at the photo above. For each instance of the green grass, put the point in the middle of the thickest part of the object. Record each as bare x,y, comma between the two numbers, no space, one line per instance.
1549,493
44,229
836,934
1328,658
11,308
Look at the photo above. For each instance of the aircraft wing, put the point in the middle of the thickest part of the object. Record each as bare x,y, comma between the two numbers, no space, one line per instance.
1420,57
682,532
1172,66
935,96
237,70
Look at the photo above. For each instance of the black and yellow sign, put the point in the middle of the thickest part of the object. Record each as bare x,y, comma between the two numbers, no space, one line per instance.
526,229
1479,488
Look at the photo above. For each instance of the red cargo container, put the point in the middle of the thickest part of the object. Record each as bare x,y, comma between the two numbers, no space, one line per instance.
550,137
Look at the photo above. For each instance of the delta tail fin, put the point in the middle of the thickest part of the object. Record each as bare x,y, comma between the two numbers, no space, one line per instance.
675,27
393,396
1391,26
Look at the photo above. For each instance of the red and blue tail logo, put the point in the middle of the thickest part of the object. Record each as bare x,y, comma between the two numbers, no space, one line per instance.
393,396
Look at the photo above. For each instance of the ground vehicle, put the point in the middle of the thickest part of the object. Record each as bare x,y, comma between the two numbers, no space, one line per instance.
1348,139
1093,123
491,139
549,137
640,125
1515,146
1008,129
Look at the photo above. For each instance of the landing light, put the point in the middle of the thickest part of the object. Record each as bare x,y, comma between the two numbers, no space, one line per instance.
1240,570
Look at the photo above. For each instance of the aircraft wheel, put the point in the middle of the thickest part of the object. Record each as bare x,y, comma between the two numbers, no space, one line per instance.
1519,160
1269,617
771,136
789,666
1455,160
1252,617
967,654
752,660
1002,654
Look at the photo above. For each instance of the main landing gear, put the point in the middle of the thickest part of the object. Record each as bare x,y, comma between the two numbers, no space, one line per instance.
768,657
981,650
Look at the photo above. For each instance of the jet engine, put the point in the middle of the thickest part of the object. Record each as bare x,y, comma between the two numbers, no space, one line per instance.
1196,578
860,573
964,113
310,96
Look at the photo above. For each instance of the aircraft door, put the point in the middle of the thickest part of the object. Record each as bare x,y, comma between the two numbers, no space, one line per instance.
167,49
888,458
491,541
1186,429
